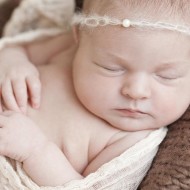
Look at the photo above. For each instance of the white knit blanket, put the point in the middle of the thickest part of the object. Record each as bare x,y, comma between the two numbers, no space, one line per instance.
123,172
42,18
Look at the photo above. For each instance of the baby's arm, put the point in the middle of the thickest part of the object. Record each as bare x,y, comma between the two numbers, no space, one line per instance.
43,161
48,166
41,52
19,77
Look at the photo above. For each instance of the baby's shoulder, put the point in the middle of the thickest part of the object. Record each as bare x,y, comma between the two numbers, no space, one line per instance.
43,50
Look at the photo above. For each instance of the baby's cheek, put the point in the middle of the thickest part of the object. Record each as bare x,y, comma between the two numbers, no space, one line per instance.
172,110
85,94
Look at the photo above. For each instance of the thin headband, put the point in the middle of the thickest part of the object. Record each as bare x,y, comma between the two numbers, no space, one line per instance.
93,21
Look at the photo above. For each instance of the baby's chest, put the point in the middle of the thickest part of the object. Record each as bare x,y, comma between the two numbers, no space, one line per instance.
78,133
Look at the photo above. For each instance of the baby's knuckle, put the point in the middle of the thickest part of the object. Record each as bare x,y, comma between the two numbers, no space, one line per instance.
35,72
36,86
21,93
2,78
7,93
20,80
21,101
33,78
6,80
11,74
32,72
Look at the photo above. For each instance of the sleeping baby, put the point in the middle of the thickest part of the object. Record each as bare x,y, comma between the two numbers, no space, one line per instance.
73,102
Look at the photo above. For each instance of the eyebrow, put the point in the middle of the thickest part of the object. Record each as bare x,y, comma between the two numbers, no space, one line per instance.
107,55
173,63
174,67
163,64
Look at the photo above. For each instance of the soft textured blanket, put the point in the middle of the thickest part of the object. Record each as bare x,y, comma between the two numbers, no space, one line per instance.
123,172
171,167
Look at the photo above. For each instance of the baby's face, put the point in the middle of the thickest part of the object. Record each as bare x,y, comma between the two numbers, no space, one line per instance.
134,79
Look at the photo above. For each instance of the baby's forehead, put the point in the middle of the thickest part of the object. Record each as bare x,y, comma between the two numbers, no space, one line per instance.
163,46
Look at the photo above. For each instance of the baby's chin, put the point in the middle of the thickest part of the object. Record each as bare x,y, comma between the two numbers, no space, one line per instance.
133,125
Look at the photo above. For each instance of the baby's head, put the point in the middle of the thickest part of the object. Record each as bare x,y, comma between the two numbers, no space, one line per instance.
134,73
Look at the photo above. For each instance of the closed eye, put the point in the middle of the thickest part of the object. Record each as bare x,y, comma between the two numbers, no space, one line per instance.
113,69
169,77
110,68
171,71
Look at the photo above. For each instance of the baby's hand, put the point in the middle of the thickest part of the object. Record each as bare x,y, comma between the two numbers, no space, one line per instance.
19,136
19,82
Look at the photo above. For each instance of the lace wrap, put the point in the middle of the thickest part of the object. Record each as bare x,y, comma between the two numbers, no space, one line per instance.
123,172
40,14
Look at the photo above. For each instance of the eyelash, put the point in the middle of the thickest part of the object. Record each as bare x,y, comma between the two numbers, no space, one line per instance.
168,78
109,68
112,69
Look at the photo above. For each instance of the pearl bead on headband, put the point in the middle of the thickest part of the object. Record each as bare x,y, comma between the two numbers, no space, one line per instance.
93,21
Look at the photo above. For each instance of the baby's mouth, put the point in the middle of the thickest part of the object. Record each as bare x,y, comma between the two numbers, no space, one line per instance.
135,113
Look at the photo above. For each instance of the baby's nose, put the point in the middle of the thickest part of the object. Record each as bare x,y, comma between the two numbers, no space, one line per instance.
137,87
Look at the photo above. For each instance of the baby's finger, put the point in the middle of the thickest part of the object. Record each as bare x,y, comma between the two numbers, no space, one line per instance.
20,92
8,96
1,103
34,88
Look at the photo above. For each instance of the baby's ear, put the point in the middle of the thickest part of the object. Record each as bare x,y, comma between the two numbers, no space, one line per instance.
76,33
